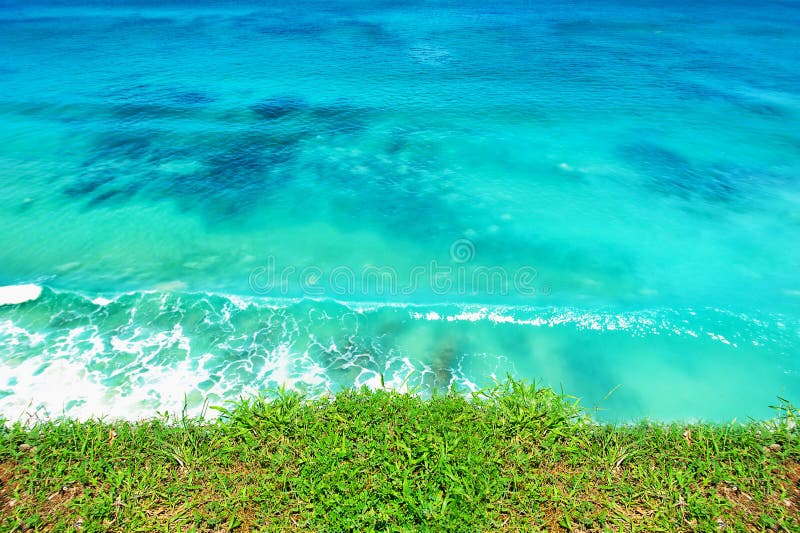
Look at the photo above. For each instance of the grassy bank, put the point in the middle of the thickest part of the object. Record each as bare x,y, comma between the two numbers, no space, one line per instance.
513,458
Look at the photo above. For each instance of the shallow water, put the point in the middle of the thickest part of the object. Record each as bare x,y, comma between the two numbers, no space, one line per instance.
224,198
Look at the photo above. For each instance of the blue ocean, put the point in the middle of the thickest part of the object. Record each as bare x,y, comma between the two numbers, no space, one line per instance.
204,201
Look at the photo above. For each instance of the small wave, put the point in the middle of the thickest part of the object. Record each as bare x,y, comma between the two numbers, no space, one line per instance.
135,353
17,294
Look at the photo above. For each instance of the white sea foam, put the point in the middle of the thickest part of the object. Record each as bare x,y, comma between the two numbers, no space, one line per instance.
637,323
17,294
60,379
162,352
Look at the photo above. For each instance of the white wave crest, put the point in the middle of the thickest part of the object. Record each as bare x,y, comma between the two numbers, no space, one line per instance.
17,294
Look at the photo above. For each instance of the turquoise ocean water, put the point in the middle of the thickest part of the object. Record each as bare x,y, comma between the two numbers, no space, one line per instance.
216,199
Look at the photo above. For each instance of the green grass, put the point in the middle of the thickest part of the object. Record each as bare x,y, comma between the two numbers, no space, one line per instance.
512,458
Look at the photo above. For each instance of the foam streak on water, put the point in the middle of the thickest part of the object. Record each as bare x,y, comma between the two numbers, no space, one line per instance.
141,352
614,187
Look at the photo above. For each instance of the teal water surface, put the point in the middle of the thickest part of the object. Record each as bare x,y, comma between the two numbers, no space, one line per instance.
222,198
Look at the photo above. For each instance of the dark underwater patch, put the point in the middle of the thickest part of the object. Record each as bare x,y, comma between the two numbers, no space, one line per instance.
107,186
120,195
131,111
238,166
370,32
665,170
228,174
237,178
281,24
698,91
115,145
339,118
145,102
278,107
121,143
338,26
765,109
145,93
192,98
134,112
124,160
396,145
88,184
672,174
